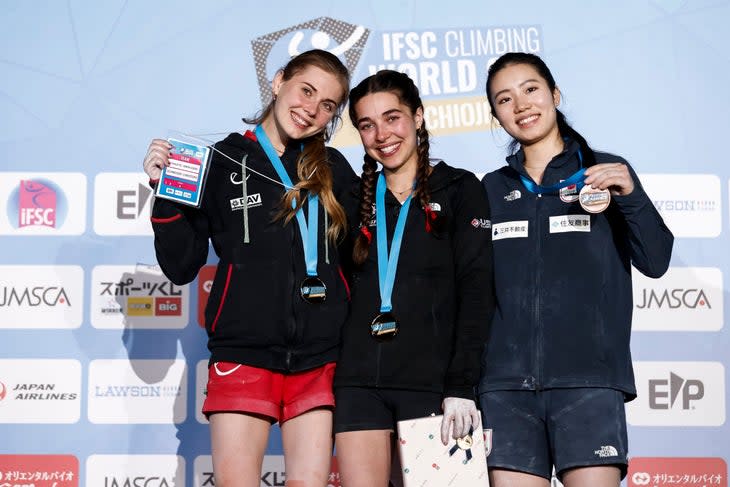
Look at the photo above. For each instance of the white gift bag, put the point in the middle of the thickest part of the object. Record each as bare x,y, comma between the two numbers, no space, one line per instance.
426,462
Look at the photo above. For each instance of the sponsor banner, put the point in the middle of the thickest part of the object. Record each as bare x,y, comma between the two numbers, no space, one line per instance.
272,472
136,297
39,470
678,394
684,472
122,203
447,64
203,471
683,299
137,391
42,203
205,283
201,383
38,296
135,470
40,391
689,203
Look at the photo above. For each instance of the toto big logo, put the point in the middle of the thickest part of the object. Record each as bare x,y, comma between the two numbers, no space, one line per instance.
271,51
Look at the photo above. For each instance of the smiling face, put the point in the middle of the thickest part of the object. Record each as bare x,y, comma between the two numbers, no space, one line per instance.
305,104
524,104
387,128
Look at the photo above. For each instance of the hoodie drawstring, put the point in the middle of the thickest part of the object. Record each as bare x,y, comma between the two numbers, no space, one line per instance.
244,187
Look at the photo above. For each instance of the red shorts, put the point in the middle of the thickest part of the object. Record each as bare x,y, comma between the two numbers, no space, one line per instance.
241,388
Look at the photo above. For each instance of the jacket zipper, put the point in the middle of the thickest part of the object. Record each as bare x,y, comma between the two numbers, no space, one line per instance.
291,335
537,380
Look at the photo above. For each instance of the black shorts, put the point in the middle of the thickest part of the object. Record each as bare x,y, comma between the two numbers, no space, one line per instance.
565,428
370,408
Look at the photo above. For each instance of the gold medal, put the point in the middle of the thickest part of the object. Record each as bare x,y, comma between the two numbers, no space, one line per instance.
465,442
594,200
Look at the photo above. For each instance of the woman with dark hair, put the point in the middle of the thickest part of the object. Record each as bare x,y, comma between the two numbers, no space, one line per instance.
278,299
568,223
422,294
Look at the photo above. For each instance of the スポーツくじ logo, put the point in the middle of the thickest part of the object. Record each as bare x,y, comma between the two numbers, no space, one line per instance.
271,51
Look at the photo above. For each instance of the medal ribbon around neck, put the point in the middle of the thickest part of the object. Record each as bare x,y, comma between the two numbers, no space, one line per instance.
308,231
387,265
577,178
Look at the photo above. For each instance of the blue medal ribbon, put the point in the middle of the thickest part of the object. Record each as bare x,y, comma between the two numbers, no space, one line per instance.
387,265
577,179
307,231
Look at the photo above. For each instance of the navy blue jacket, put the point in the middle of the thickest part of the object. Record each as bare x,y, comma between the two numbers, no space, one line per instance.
563,280
254,314
443,296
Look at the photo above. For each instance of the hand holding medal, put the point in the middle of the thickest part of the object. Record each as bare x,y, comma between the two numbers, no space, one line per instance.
601,181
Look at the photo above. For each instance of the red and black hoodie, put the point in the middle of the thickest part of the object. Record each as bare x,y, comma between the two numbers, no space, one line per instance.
255,315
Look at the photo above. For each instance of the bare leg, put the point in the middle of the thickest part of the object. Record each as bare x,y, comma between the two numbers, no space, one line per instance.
238,443
507,478
595,476
364,457
307,441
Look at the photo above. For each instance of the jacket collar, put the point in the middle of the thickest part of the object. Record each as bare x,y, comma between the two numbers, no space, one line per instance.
568,157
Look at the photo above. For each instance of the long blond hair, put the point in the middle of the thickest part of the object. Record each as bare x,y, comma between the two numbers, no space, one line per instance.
313,169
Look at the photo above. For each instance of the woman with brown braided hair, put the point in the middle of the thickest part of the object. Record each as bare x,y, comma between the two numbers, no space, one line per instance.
422,294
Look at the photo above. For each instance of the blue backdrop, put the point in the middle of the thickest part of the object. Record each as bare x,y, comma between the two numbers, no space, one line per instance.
102,362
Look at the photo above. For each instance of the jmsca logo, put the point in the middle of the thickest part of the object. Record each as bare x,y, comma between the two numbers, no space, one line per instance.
673,299
349,41
37,203
137,482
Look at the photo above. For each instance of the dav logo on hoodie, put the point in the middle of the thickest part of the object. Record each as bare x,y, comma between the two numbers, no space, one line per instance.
252,201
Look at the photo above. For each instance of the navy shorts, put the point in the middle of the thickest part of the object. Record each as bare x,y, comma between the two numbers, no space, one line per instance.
370,408
565,428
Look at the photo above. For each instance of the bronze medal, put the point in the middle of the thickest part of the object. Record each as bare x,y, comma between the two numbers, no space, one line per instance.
313,290
384,326
594,200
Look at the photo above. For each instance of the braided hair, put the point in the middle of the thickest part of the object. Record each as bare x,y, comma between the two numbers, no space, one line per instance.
403,87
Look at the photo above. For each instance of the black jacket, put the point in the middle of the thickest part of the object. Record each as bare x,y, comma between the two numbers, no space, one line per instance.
255,315
564,298
442,296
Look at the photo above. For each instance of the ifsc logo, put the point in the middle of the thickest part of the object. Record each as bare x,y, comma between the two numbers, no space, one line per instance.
271,51
43,203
